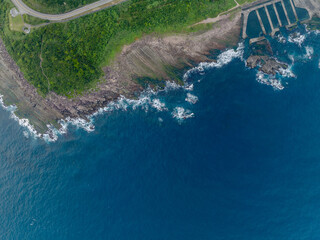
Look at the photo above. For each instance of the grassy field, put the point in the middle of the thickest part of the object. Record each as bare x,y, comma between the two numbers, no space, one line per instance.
244,1
74,52
16,23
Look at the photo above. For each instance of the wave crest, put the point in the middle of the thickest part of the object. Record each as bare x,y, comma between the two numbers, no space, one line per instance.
222,59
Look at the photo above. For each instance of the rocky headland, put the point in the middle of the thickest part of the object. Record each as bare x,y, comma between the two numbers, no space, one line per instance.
262,58
153,57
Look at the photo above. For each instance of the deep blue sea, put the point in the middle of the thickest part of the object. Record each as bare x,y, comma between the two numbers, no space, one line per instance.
240,160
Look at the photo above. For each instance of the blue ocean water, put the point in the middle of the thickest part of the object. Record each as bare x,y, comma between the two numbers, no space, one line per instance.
245,165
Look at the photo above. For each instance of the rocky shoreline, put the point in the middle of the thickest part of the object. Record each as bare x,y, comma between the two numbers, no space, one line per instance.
266,64
152,57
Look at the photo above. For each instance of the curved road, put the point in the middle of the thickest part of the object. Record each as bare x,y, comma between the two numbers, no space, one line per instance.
93,7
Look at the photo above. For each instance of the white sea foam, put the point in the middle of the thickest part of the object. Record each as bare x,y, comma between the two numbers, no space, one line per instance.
309,52
281,38
26,124
291,57
22,121
52,133
181,114
269,80
319,64
145,101
191,98
287,72
297,38
26,134
189,87
308,55
86,125
1,101
275,81
157,104
171,86
223,59
10,108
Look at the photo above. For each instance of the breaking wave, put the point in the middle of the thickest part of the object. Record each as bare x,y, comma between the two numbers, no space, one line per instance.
10,108
280,38
287,72
181,114
309,52
191,98
22,121
269,80
223,59
275,81
297,38
146,101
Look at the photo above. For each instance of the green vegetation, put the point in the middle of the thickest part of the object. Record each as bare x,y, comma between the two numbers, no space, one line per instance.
16,23
56,6
198,27
33,20
244,1
73,53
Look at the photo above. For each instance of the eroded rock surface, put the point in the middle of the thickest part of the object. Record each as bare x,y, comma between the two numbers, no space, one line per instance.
262,57
266,64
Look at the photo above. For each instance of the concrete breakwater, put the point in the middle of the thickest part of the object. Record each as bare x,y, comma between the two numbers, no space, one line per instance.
265,17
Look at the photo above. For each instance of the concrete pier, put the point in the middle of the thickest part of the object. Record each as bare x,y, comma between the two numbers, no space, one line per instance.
294,10
244,25
261,23
285,12
269,18
252,7
277,14
255,6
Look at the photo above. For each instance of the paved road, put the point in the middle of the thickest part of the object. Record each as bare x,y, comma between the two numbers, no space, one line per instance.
24,9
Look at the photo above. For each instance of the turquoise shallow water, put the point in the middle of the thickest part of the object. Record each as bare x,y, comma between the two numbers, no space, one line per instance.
245,166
